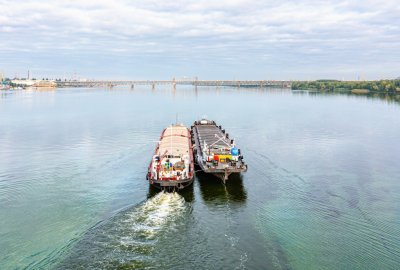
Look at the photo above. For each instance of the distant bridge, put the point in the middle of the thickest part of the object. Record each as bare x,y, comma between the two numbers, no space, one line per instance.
153,83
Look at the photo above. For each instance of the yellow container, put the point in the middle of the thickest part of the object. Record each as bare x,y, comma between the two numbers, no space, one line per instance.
222,158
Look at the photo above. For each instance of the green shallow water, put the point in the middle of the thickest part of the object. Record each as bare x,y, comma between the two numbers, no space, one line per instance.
322,190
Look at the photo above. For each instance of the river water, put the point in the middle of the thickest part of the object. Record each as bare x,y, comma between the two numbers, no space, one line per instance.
322,190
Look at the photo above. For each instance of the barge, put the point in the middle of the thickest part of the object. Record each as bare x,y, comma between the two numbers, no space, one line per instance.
214,151
172,165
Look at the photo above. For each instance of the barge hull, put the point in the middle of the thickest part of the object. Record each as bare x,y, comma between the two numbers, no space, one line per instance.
171,184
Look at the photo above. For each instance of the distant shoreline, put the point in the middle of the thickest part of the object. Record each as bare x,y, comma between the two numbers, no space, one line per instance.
356,87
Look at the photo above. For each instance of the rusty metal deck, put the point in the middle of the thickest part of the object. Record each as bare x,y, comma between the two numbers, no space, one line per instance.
213,135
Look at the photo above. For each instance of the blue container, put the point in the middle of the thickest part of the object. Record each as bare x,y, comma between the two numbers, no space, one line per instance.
234,151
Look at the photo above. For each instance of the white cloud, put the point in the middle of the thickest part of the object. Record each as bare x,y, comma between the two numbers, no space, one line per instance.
327,30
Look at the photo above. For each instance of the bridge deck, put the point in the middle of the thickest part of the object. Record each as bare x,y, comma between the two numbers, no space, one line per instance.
231,83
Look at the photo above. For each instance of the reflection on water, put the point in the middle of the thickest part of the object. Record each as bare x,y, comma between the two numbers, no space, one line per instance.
213,191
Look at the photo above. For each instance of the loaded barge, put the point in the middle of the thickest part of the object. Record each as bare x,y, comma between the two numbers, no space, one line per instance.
214,152
172,165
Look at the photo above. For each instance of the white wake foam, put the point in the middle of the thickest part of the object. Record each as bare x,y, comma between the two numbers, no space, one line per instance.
155,214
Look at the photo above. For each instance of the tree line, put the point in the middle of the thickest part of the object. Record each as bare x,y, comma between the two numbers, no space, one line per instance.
388,86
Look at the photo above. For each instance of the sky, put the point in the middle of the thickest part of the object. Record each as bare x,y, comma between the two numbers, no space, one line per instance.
208,39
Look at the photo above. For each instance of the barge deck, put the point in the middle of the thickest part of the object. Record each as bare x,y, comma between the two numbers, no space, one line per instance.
214,151
172,165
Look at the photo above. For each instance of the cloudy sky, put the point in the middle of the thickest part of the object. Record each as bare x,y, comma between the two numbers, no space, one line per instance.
235,39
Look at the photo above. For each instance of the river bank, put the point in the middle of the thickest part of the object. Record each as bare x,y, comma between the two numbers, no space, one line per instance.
356,87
